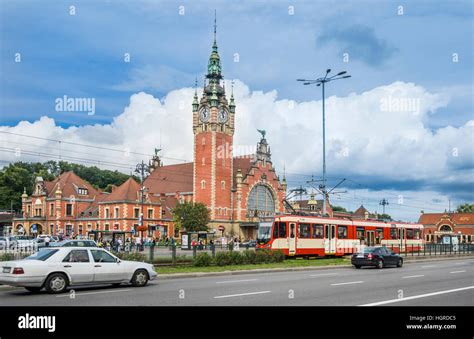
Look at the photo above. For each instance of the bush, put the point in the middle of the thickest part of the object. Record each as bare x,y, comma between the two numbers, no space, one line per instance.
249,257
235,258
223,258
203,259
132,256
277,256
7,257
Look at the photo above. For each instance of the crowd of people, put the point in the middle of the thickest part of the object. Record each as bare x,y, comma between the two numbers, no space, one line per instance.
133,244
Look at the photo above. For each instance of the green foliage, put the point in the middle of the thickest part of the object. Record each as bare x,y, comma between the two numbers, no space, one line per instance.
249,256
132,256
277,256
6,257
262,257
384,216
465,208
203,259
21,175
236,258
222,258
191,216
338,209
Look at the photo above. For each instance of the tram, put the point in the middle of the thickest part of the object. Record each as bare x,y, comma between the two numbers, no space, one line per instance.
322,236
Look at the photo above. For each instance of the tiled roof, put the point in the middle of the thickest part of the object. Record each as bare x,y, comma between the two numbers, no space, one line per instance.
171,179
69,182
128,191
360,211
457,218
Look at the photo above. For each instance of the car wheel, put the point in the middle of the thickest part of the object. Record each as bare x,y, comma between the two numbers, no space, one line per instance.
140,278
33,289
56,283
379,264
400,263
357,266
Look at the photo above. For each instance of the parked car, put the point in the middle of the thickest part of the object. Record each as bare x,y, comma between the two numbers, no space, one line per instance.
250,243
74,243
23,241
55,269
376,256
8,242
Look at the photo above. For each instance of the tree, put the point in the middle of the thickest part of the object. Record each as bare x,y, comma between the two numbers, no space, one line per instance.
191,217
384,216
338,209
465,208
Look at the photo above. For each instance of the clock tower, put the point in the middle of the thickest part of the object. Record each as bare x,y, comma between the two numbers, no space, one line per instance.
213,127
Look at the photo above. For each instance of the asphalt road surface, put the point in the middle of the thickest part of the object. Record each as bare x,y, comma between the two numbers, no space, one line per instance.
444,283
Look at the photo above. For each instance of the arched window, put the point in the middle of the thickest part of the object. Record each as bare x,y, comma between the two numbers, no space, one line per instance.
203,184
446,228
260,201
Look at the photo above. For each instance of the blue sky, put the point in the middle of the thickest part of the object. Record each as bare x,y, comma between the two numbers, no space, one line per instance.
82,55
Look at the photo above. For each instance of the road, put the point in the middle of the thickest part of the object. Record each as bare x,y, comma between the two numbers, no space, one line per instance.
444,283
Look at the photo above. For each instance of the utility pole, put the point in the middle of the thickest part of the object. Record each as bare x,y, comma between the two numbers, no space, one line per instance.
141,169
321,82
384,203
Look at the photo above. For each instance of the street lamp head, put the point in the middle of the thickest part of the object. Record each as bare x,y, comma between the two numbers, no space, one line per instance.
300,80
328,70
307,83
319,84
341,73
346,76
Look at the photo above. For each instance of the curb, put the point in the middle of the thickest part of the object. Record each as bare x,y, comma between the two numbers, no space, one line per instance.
288,269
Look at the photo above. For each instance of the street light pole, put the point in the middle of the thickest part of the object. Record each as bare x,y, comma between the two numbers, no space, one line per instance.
141,169
322,82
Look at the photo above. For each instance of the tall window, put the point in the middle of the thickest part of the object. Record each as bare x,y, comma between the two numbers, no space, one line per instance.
279,230
360,232
116,212
136,212
223,184
107,213
150,213
68,209
393,233
261,201
51,209
409,233
203,184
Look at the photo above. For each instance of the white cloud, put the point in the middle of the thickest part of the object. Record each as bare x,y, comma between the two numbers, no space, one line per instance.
363,137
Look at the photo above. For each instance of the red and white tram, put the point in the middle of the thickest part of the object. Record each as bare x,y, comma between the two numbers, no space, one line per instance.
321,236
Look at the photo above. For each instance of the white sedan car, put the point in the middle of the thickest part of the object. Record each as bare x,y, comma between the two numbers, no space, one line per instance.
57,268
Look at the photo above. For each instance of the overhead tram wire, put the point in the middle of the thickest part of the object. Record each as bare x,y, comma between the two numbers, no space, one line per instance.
89,146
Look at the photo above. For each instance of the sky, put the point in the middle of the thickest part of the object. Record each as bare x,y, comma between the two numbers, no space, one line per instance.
401,128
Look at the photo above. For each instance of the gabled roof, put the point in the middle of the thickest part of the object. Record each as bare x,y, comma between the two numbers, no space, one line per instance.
128,191
361,211
69,183
457,218
171,179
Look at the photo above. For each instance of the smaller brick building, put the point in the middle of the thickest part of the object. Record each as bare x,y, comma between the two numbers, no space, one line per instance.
438,225
71,206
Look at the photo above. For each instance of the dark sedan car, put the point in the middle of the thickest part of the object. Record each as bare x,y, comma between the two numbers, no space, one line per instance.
376,256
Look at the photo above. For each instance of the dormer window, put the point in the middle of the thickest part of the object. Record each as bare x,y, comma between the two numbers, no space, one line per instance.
82,191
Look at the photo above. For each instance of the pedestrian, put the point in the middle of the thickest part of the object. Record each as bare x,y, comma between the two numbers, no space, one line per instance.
47,239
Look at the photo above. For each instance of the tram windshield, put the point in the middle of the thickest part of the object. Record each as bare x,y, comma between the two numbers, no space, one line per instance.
264,233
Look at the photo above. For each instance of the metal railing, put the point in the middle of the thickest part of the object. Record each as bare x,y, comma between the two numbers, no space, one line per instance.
433,249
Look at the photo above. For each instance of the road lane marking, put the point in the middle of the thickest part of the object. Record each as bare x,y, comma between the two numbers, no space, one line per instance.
240,294
86,293
234,281
348,283
418,296
459,263
322,274
413,276
428,266
458,271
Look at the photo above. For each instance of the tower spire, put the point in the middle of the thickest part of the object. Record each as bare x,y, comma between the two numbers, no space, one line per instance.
215,29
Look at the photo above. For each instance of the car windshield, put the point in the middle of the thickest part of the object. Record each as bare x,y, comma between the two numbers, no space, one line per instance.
263,234
368,250
3,238
42,254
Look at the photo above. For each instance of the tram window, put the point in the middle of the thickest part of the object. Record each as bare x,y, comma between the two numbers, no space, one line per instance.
275,230
317,231
304,231
342,232
379,233
393,233
282,230
360,232
292,230
417,234
409,233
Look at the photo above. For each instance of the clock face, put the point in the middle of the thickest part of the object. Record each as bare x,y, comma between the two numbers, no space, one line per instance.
223,116
205,114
